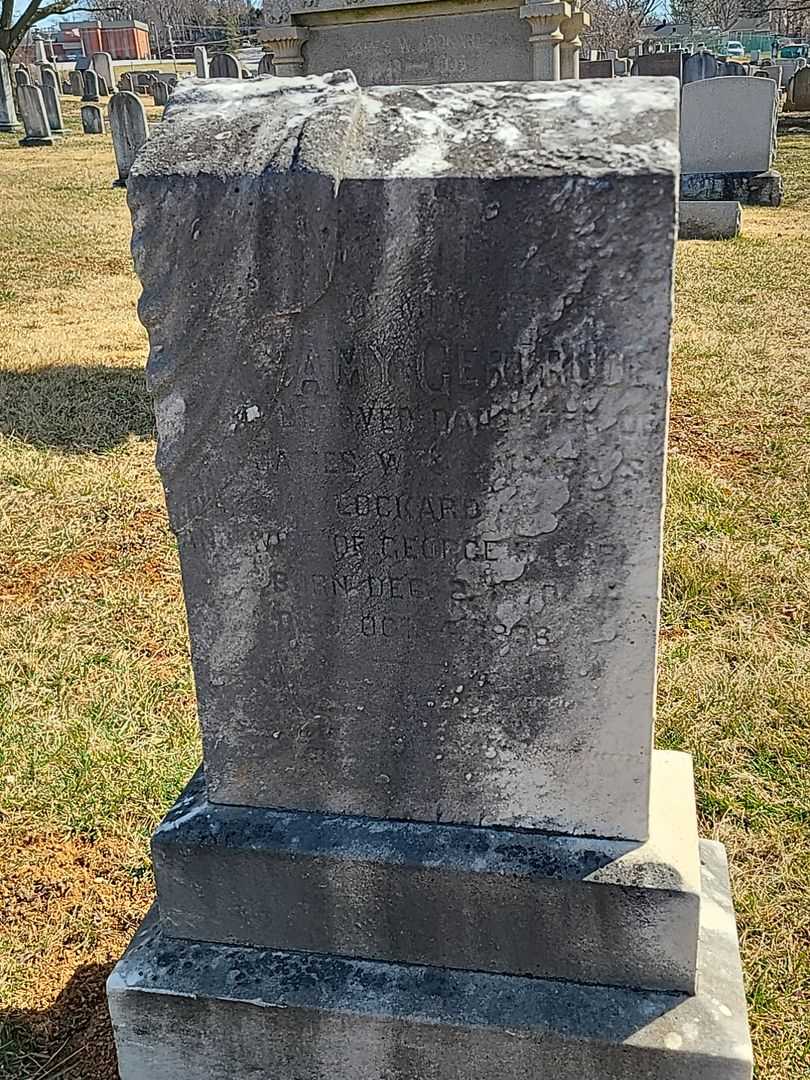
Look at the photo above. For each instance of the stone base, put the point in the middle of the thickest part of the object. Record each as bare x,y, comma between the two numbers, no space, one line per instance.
35,140
8,128
752,189
616,912
194,1011
708,220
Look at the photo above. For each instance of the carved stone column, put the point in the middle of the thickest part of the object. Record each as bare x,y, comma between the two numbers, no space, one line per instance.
572,43
286,43
545,21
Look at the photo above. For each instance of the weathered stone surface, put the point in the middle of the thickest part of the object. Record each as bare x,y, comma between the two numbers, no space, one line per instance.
92,120
751,189
599,911
266,66
596,69
190,1011
53,108
21,77
76,83
34,117
224,65
8,111
160,92
90,82
700,65
419,528
201,62
129,129
708,220
728,125
49,77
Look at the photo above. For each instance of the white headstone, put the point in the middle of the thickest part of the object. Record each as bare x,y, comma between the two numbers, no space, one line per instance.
201,62
728,125
34,117
103,66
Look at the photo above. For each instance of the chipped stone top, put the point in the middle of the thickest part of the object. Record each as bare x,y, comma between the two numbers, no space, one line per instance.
328,124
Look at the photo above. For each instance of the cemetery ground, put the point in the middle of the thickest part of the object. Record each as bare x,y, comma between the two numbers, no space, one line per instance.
97,727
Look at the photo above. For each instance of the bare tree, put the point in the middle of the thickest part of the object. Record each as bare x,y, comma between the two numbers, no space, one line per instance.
13,30
616,24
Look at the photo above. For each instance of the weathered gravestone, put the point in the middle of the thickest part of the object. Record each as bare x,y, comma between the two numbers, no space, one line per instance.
266,66
129,129
773,71
225,66
411,430
91,88
127,82
53,108
201,62
8,112
103,88
21,77
92,120
34,117
76,83
160,92
596,69
728,125
800,90
49,77
103,67
419,41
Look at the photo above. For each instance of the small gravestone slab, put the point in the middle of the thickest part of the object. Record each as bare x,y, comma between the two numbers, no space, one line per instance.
50,78
92,120
127,82
91,87
8,111
103,88
34,117
160,92
53,108
201,62
21,77
76,83
225,66
596,69
266,66
728,125
130,131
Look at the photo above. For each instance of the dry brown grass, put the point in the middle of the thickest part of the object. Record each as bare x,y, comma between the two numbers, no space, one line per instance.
97,730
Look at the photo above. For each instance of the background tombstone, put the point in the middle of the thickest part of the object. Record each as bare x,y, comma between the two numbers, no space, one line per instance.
700,65
76,83
91,88
8,111
34,117
225,66
127,82
728,125
50,78
596,69
266,66
417,496
201,62
53,108
659,63
21,77
160,92
773,71
92,120
103,88
800,90
103,65
129,129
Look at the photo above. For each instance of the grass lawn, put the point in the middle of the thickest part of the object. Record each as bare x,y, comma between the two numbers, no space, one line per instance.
97,728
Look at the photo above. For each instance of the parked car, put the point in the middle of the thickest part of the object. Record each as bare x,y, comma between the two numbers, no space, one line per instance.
793,52
735,48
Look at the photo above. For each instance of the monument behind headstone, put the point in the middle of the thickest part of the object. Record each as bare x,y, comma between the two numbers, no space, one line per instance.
160,92
21,77
8,111
224,65
728,125
800,90
34,117
129,129
596,69
92,120
412,421
700,65
103,88
202,63
660,63
76,83
390,42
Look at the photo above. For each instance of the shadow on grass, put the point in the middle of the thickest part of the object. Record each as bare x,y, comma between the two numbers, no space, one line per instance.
75,408
70,1040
